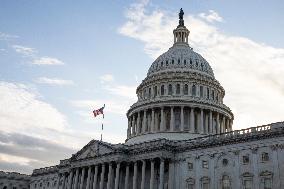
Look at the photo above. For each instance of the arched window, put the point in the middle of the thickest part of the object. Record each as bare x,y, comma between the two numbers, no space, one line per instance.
184,62
226,182
162,90
208,93
170,90
155,91
185,89
149,93
178,89
213,95
201,91
193,90
144,94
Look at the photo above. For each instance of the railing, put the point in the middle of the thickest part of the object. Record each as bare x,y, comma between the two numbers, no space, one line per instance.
45,170
13,175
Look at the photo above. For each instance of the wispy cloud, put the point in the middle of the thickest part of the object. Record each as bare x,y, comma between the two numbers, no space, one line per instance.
6,37
47,61
106,78
54,81
26,51
250,72
32,54
211,16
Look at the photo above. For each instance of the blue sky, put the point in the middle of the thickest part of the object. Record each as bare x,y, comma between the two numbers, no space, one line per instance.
61,59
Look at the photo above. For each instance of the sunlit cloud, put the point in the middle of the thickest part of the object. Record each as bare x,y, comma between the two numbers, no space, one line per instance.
250,72
211,16
54,81
47,61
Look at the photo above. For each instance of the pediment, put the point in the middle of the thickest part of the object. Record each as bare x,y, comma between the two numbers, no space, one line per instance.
93,149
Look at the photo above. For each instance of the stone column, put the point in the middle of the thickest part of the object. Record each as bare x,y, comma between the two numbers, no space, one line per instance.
129,128
58,181
89,177
172,122
102,176
76,178
181,118
162,127
138,126
143,174
109,178
153,120
162,169
276,170
82,178
64,180
192,120
117,171
218,123
133,125
144,121
210,122
255,168
70,179
231,124
152,177
126,177
95,180
206,123
135,175
171,175
223,124
201,122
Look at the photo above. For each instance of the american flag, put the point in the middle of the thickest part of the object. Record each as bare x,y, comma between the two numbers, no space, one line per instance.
99,111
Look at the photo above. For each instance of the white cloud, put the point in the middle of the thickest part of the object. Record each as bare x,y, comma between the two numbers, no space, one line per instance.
26,51
54,81
106,78
47,61
211,17
6,37
22,110
122,91
250,72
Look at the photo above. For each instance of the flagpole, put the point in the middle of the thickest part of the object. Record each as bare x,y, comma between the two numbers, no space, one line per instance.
103,125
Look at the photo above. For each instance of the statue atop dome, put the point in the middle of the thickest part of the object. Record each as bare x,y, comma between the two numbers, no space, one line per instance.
181,13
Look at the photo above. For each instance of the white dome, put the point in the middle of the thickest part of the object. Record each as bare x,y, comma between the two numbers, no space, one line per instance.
180,57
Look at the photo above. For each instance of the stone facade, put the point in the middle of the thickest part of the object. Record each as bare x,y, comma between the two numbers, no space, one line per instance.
14,181
179,136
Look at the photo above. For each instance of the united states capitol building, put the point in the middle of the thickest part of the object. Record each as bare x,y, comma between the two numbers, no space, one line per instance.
179,136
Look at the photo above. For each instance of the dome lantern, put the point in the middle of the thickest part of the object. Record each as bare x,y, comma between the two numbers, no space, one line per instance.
181,32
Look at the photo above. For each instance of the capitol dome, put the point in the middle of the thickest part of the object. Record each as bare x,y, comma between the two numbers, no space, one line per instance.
180,98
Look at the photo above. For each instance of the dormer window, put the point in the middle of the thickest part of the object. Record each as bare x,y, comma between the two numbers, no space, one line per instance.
193,90
170,90
178,89
162,90
185,89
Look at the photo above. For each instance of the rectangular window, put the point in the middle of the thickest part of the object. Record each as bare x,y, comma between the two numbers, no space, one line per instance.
264,156
190,166
205,164
245,159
